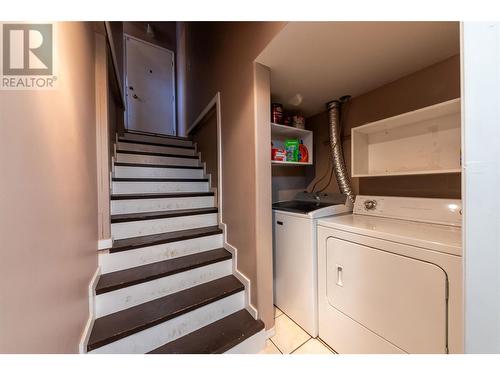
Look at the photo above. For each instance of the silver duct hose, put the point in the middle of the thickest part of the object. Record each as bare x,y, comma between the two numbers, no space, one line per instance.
336,145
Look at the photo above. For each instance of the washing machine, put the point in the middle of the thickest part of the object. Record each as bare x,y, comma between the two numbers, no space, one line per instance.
295,253
390,277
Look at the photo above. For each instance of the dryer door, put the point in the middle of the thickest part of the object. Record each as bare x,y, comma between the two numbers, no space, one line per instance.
398,298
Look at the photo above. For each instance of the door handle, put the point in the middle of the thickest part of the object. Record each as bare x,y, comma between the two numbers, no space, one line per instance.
340,280
279,222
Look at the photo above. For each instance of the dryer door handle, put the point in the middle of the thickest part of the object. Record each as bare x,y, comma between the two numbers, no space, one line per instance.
340,278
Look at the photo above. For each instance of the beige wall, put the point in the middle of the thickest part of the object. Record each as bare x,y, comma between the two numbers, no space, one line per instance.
48,203
220,58
434,84
288,181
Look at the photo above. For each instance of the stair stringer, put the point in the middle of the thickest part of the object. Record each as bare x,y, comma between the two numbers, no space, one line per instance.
237,273
82,347
232,249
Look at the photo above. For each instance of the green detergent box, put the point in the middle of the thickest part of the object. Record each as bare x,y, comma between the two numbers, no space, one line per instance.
292,149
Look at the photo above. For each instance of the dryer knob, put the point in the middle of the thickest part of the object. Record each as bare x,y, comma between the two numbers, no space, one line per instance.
370,204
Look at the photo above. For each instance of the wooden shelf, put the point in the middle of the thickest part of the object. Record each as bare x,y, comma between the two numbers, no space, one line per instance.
280,133
436,171
290,163
425,141
288,131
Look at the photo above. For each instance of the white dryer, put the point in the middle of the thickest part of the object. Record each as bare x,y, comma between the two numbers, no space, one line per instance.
390,277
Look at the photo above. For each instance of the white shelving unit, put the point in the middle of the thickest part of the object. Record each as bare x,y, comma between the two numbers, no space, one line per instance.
425,141
281,133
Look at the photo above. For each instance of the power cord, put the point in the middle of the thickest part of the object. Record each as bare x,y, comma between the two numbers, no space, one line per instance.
330,166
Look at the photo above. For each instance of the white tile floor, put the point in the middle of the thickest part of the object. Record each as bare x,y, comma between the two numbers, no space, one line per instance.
291,339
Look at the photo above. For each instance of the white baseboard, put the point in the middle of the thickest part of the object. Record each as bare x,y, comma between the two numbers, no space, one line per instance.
82,349
105,244
239,275
271,332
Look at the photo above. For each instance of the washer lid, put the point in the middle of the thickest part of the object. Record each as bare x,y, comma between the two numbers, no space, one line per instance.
443,238
301,207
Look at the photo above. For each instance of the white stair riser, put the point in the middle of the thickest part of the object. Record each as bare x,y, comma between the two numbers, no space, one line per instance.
124,146
144,172
150,159
133,187
161,204
121,299
153,139
252,345
154,337
112,262
155,226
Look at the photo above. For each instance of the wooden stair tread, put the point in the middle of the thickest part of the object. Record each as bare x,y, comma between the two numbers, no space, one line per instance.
170,166
161,238
136,275
116,326
123,218
156,135
149,179
161,195
150,153
125,140
215,338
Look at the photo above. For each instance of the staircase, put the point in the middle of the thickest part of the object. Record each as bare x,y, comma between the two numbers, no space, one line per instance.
167,284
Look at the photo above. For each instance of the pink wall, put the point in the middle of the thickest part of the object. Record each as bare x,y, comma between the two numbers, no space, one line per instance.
48,203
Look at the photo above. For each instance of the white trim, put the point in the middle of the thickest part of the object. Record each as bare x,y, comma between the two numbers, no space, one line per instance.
271,332
216,100
481,177
219,153
105,244
111,174
82,348
238,274
174,91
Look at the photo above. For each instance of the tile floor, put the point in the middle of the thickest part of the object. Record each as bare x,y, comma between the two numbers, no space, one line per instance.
291,339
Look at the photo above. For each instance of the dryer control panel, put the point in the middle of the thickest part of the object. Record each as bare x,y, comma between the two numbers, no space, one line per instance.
428,210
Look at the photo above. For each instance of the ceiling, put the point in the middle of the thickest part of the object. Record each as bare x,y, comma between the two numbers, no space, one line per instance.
314,62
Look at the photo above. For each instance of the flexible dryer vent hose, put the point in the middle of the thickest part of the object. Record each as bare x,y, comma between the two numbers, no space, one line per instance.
336,145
